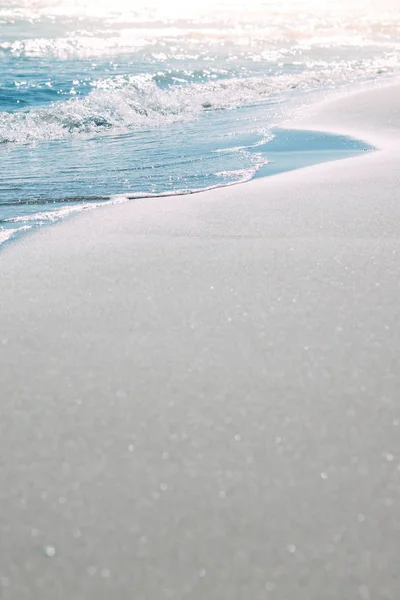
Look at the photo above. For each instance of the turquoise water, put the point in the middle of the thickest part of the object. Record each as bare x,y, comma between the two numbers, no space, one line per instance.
100,102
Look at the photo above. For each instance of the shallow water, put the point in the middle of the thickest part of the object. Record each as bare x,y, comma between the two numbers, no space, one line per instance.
99,100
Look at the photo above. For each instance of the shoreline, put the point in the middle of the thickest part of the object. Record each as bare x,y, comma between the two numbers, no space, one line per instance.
321,148
200,395
33,223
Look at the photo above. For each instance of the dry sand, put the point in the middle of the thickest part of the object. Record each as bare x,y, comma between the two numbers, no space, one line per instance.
200,396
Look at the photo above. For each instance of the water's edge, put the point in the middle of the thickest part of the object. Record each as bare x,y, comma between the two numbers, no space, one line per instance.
290,149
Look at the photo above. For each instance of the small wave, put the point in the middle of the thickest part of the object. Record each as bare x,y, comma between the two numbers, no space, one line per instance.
30,221
66,200
51,216
21,223
7,234
243,175
267,137
237,176
126,103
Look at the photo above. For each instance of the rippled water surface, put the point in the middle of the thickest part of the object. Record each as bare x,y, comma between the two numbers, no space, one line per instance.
99,99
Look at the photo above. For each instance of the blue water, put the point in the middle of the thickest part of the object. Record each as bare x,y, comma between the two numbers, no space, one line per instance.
99,102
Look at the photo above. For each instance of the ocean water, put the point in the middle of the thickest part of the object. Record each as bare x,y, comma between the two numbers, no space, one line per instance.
105,100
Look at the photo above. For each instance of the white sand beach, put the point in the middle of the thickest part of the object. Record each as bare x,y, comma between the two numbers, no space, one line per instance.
200,395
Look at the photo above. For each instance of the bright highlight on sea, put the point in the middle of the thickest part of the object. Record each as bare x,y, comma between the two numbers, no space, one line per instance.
108,99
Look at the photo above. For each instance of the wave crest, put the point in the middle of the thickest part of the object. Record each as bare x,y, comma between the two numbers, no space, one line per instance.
125,103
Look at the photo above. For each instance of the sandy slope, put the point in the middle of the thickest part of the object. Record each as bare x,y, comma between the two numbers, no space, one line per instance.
200,396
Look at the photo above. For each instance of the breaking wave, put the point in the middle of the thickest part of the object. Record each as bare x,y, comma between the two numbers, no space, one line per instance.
126,103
